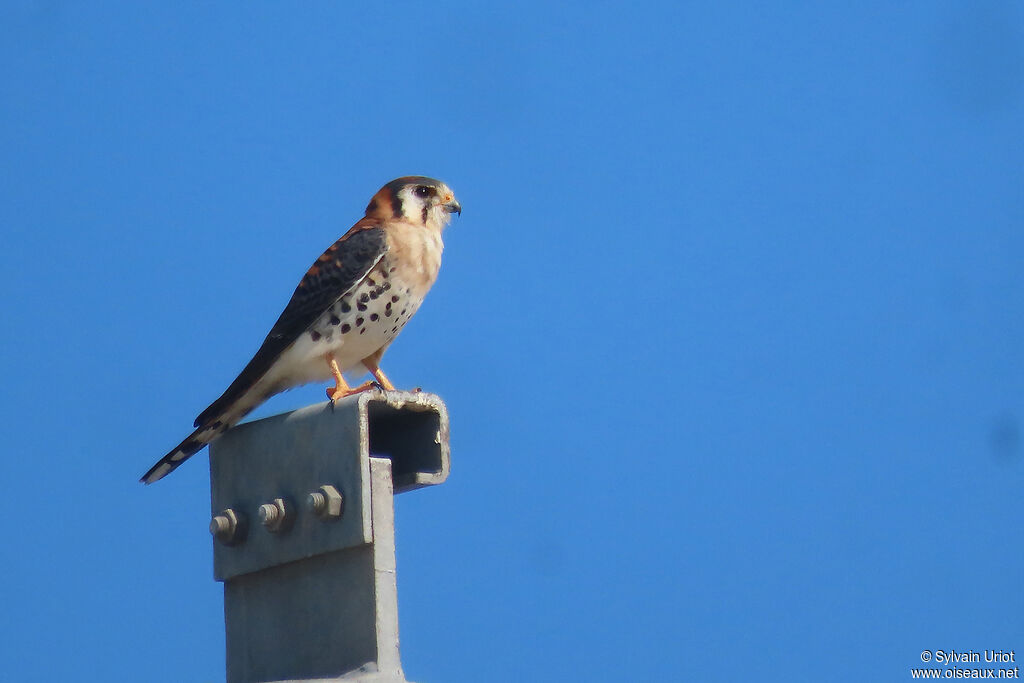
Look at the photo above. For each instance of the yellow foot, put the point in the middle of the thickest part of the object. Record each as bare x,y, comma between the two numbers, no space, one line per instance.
382,380
338,393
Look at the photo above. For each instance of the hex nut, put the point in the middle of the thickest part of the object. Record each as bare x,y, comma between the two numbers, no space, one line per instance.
229,527
277,515
326,503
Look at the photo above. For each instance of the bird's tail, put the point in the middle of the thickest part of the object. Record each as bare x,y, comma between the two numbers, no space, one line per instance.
211,424
185,450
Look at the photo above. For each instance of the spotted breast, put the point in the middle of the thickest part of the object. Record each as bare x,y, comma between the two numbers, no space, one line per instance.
366,320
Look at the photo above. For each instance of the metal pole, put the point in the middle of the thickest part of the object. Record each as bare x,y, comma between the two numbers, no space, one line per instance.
303,525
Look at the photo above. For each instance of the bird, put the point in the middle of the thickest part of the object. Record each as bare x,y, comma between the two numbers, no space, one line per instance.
345,312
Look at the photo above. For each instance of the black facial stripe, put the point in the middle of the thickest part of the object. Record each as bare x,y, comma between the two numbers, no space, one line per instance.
411,183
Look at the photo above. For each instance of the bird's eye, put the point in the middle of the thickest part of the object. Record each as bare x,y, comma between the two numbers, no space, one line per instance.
422,191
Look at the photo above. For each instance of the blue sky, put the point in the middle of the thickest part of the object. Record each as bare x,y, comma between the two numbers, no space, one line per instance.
729,329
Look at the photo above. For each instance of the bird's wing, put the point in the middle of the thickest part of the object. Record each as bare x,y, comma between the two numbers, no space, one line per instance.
335,273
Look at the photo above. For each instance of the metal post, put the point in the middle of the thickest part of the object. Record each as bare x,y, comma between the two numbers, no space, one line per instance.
303,525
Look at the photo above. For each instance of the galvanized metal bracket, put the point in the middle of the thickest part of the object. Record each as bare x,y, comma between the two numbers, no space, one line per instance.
303,524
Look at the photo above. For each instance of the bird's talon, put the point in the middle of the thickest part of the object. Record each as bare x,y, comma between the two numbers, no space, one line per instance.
336,394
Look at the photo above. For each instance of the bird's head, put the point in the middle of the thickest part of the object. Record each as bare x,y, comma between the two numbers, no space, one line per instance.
417,199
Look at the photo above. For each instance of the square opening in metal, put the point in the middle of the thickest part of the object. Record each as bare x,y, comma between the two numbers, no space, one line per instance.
411,438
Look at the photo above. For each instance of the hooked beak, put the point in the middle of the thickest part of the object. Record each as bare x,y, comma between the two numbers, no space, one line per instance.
453,206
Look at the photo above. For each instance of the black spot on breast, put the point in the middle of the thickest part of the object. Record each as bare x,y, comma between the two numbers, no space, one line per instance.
359,321
335,320
404,310
314,335
364,298
374,294
374,317
395,328
387,311
385,287
394,298
361,306
362,330
345,308
345,328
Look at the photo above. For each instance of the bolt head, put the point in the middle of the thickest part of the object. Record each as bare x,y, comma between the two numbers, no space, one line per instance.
268,514
277,515
316,502
220,526
228,527
327,502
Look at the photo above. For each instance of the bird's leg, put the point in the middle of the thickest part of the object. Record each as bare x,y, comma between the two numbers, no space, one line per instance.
341,388
378,374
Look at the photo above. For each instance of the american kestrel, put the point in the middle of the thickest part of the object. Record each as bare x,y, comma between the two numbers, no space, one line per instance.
347,309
